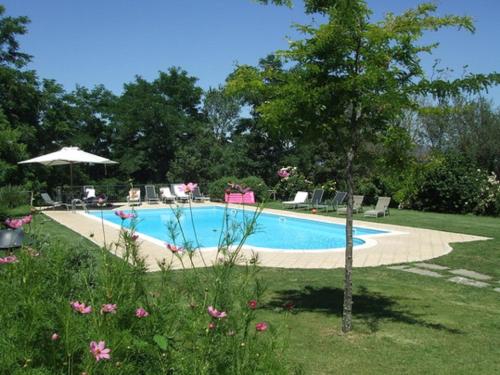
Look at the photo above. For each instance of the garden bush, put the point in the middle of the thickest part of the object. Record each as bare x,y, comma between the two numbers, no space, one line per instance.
14,196
489,196
216,188
78,309
447,183
292,182
14,201
258,186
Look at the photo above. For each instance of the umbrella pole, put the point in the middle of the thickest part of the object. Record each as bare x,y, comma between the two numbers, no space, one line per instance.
71,180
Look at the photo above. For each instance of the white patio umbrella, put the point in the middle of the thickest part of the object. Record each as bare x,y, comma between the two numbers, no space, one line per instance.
69,155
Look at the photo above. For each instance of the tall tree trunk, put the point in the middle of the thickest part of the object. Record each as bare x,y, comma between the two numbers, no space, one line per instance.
347,311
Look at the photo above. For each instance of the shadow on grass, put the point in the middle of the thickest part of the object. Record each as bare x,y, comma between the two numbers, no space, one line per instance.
369,307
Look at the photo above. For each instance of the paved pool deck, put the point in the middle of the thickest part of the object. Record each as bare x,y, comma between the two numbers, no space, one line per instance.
402,245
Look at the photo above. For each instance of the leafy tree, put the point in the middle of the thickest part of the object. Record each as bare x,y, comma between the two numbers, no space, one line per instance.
468,126
18,99
351,77
10,28
11,152
55,127
151,120
222,112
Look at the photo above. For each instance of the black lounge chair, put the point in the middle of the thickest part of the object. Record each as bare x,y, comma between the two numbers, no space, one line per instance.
49,202
151,196
198,197
316,199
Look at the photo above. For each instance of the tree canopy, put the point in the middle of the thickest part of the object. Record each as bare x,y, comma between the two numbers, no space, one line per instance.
296,106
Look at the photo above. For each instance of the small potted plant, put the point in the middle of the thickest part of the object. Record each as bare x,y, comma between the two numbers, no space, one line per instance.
13,235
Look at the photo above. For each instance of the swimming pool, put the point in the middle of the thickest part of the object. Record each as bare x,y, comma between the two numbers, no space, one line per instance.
274,231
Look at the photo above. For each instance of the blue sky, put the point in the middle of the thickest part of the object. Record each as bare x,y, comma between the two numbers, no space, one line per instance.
110,41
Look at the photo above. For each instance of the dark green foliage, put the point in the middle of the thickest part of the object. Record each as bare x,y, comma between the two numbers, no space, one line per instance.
470,126
14,202
447,184
217,188
155,118
258,186
10,28
222,112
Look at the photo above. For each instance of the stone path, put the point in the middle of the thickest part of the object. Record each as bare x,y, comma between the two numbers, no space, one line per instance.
429,266
465,277
422,272
471,274
466,281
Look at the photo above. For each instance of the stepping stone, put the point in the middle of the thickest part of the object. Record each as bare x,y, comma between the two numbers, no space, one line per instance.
422,272
471,274
466,281
430,266
398,267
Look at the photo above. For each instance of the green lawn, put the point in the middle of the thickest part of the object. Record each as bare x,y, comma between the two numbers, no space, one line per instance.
403,323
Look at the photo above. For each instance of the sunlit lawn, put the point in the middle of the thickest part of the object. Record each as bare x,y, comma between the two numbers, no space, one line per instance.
403,323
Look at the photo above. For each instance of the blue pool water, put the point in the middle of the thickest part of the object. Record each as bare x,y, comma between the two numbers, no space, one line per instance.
273,231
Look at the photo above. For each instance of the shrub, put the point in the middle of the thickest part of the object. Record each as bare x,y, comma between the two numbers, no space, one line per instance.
369,189
446,184
288,186
330,187
258,186
14,201
489,196
216,188
14,196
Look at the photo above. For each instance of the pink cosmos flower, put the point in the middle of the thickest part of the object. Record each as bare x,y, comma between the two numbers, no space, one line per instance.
80,307
141,313
213,312
252,304
123,215
55,337
174,249
14,223
188,188
108,308
283,173
99,350
8,259
262,326
27,219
